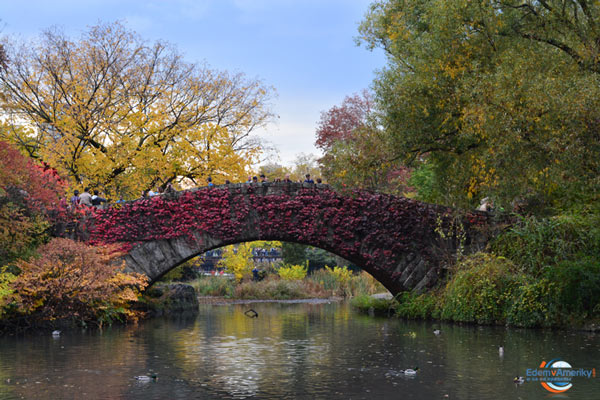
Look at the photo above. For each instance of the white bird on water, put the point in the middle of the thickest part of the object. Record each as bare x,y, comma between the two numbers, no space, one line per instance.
56,333
146,378
409,371
501,351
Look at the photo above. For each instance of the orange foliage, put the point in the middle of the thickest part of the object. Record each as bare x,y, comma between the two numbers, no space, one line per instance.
72,280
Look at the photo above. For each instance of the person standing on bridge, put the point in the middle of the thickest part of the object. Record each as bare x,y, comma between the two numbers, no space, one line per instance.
85,199
169,188
308,180
75,199
97,200
209,182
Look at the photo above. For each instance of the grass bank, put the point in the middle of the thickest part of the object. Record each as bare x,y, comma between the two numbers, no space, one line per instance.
324,283
374,306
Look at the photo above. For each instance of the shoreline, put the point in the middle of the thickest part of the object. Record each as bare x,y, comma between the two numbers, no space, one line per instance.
220,300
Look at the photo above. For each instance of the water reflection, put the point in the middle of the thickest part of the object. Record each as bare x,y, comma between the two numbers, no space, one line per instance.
289,351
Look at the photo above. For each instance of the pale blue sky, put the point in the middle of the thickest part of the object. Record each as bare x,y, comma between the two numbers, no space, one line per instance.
303,48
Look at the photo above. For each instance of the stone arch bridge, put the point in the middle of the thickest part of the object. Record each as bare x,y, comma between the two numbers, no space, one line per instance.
403,243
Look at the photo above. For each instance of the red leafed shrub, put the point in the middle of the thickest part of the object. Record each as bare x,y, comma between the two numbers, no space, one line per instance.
29,201
75,281
40,185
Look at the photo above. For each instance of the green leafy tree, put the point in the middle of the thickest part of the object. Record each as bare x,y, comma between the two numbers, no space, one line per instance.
293,253
501,98
319,258
422,179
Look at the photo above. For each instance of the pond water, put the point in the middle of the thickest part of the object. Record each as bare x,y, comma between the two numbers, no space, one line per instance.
301,350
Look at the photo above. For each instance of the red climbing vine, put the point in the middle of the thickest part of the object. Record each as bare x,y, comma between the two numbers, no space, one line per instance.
371,227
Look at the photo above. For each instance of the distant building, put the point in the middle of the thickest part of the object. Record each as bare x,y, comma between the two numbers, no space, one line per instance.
209,260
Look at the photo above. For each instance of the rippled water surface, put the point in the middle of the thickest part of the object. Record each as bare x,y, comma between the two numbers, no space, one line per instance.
305,350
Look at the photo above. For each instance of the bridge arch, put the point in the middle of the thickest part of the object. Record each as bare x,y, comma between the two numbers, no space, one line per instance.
401,242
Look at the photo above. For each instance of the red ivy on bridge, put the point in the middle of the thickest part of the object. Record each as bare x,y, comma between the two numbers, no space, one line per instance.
365,227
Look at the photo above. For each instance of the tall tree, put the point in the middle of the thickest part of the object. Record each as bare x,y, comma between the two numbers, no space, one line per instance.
113,111
356,152
500,98
293,253
340,122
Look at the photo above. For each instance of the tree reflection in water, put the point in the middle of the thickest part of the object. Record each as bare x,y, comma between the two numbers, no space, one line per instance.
291,350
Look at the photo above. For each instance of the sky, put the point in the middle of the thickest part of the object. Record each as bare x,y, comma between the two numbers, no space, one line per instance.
305,49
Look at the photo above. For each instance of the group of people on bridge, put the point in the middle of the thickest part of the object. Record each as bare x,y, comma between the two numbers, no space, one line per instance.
264,179
95,200
87,199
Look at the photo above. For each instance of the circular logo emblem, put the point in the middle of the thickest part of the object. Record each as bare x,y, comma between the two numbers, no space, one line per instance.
556,380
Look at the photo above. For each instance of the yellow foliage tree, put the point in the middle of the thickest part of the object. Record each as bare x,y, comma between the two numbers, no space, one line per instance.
238,260
293,272
6,278
114,112
341,274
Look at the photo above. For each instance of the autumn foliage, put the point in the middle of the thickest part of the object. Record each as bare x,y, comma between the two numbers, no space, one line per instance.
113,111
238,261
41,187
74,281
29,193
65,280
497,99
356,152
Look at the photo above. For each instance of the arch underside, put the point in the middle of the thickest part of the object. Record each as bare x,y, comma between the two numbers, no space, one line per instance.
156,258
